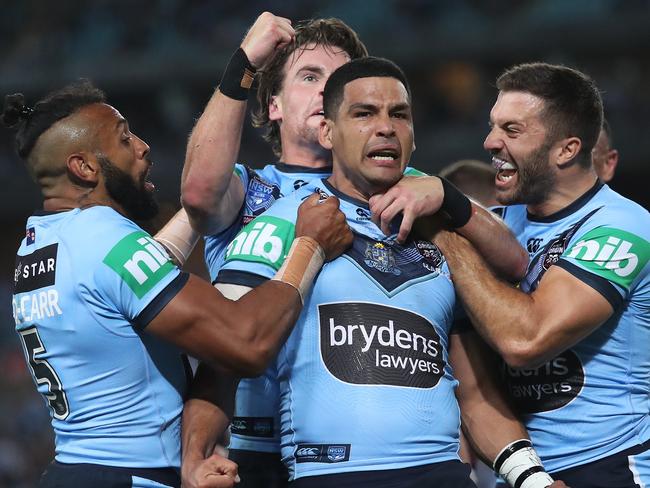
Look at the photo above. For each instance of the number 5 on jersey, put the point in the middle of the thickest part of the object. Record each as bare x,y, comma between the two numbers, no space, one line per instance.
43,373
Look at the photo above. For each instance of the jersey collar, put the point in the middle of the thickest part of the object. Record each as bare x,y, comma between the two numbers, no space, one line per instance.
571,208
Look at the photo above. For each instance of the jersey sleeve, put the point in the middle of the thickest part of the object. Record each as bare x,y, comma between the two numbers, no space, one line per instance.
610,253
135,277
260,248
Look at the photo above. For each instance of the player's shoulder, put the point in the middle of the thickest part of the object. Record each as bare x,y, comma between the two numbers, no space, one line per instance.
97,231
618,212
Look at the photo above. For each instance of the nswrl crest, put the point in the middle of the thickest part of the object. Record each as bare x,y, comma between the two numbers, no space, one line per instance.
260,196
380,257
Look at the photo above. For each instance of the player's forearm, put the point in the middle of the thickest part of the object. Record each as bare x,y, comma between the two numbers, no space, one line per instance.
212,151
207,413
494,241
487,418
504,316
178,237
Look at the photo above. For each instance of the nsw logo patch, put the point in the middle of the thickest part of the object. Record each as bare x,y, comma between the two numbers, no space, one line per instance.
140,261
265,240
322,453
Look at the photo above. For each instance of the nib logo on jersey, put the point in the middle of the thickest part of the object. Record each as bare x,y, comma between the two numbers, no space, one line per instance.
265,240
614,254
140,261
549,387
372,344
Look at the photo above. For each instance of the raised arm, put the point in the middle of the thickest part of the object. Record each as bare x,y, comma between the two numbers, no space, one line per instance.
527,330
421,196
210,192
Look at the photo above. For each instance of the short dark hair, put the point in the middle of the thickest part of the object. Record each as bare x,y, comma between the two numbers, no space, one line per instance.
359,68
573,105
320,32
31,123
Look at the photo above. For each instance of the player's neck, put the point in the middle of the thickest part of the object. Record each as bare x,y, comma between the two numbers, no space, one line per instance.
567,189
73,197
308,155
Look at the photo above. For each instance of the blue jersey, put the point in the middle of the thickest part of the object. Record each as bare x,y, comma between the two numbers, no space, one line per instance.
364,377
593,399
86,284
256,422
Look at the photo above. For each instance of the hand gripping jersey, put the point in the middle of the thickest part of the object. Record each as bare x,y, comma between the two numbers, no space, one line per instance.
86,283
364,377
592,400
256,423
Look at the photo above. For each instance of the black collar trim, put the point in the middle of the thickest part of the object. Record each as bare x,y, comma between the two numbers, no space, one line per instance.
571,208
343,196
295,168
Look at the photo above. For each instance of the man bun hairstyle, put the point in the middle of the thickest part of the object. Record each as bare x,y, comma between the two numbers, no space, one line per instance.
573,105
330,32
368,67
30,123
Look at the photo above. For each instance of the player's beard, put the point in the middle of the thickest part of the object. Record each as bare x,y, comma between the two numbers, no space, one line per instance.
535,179
137,202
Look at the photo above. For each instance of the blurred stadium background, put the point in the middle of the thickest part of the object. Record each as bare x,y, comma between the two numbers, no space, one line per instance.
159,61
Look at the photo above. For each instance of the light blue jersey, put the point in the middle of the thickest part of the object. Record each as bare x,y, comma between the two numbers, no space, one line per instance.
86,283
256,422
365,379
593,399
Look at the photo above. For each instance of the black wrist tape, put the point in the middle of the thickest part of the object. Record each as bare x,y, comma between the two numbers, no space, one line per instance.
238,77
455,204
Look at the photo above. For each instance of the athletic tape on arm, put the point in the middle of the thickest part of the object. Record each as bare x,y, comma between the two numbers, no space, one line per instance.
178,237
303,262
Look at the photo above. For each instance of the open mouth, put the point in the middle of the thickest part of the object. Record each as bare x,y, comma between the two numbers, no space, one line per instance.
147,183
505,169
388,154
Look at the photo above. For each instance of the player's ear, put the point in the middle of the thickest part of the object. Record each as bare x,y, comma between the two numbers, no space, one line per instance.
83,169
325,133
275,108
566,150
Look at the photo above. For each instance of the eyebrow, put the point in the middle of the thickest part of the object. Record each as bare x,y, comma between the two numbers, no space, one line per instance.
121,123
312,68
371,107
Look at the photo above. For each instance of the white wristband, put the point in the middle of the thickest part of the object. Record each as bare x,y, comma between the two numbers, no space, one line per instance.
520,466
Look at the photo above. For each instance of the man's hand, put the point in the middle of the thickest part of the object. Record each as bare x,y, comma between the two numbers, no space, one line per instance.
325,223
267,34
413,196
558,484
213,472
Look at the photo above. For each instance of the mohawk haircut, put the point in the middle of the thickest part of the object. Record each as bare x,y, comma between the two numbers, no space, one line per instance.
31,123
